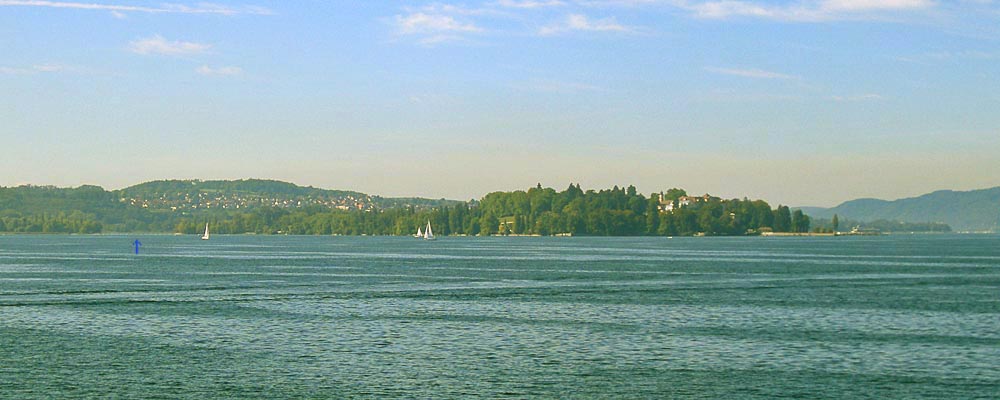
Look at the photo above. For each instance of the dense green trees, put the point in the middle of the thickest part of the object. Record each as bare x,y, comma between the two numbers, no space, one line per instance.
800,222
537,211
74,222
619,211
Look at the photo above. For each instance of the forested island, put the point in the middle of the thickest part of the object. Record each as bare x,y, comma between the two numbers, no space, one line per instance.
273,207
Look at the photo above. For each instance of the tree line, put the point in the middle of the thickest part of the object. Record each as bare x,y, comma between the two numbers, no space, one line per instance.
537,211
619,211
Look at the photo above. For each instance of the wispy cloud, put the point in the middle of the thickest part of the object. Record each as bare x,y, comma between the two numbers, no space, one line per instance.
201,8
750,73
433,26
432,40
440,22
802,11
725,9
35,69
868,5
580,22
420,22
444,21
50,68
530,3
620,3
158,45
951,55
218,71
452,9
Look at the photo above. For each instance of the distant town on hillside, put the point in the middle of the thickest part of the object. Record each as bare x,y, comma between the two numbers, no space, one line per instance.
276,207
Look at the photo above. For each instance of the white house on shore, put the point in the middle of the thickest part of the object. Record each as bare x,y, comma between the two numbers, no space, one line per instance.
666,206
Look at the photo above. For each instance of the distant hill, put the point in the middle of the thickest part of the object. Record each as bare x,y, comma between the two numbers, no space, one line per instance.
971,211
260,186
165,206
239,194
273,207
251,193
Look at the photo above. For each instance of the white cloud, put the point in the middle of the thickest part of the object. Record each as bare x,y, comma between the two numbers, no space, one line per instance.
724,9
441,21
420,22
580,22
14,71
451,9
40,68
118,14
802,11
867,5
530,3
750,73
219,71
951,55
158,45
432,25
201,8
438,39
50,68
617,3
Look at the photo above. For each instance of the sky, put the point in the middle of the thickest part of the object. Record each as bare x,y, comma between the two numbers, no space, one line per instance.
799,102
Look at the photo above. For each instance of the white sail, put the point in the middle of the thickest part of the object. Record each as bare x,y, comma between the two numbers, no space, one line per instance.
428,234
205,236
419,234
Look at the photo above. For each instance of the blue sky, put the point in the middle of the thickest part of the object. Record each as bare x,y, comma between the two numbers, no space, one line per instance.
807,102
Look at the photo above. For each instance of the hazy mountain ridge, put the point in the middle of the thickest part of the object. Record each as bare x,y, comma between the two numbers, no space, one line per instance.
235,186
181,195
964,211
239,194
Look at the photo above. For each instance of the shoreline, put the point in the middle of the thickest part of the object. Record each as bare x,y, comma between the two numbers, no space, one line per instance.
764,234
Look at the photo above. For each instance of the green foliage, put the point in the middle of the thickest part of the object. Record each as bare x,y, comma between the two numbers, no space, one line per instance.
251,193
800,222
782,219
674,194
619,211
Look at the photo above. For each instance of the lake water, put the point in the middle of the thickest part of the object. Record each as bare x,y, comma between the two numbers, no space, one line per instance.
342,317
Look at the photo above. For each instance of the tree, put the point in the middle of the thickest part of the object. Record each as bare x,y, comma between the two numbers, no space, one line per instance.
652,215
488,225
800,222
782,219
619,211
674,194
835,222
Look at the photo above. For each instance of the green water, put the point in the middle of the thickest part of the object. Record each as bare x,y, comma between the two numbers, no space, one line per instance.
342,317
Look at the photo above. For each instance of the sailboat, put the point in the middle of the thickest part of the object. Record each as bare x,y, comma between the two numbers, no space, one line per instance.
205,236
428,235
419,234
